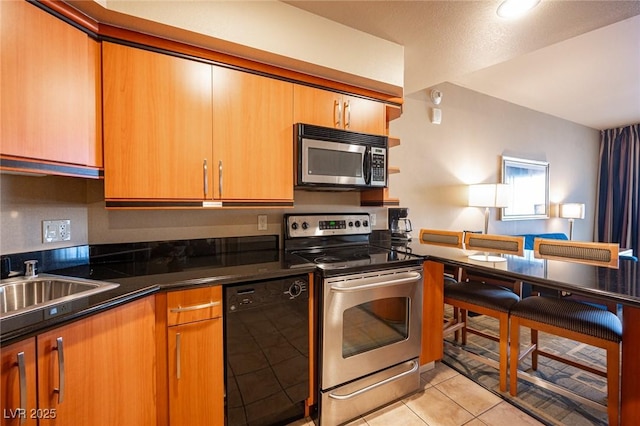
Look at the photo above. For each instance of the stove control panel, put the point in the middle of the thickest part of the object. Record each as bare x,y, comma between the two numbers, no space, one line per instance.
313,225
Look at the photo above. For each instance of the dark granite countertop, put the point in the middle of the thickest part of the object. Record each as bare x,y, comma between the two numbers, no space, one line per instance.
140,276
619,285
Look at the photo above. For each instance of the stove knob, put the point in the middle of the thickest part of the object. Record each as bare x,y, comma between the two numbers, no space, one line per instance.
357,224
294,225
305,225
350,224
365,223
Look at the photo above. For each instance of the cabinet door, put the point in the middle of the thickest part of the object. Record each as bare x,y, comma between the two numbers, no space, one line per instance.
363,115
331,109
157,125
50,85
103,373
18,366
253,137
317,106
196,373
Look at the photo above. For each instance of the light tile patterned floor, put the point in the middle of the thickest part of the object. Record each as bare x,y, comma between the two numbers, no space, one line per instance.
447,399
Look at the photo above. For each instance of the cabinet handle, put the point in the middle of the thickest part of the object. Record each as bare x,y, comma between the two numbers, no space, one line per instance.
23,386
178,344
206,181
337,106
220,178
60,388
194,307
347,114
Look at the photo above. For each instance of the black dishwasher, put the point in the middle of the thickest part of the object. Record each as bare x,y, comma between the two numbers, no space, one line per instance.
267,351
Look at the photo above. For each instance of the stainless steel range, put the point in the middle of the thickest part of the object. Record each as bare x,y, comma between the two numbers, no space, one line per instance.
369,302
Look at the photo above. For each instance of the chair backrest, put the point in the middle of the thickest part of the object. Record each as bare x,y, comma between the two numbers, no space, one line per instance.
441,238
599,254
508,244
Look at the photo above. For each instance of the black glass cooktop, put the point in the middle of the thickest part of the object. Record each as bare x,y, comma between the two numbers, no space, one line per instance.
353,257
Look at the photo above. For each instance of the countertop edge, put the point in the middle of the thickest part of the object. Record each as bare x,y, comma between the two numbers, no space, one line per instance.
155,288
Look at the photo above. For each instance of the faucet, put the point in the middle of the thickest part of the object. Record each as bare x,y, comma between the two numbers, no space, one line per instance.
30,268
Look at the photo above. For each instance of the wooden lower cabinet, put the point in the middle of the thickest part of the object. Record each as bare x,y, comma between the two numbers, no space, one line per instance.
95,371
196,379
18,366
432,312
107,364
190,357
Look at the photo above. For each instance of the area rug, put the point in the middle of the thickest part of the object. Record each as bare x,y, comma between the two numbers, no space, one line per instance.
548,407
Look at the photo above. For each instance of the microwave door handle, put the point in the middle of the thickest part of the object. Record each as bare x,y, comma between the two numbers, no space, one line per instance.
366,165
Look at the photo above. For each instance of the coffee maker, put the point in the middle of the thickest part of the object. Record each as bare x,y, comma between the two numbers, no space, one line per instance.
399,224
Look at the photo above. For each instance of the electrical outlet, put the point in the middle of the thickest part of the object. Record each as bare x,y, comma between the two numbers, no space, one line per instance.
262,222
372,217
56,230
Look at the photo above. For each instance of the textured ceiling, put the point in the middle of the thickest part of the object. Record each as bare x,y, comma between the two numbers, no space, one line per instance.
451,40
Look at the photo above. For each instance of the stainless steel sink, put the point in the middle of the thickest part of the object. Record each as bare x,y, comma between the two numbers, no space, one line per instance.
24,295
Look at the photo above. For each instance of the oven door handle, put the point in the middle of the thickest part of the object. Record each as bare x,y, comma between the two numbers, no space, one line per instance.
375,385
414,277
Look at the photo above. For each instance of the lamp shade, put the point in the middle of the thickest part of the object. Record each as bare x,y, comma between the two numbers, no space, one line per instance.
572,211
489,195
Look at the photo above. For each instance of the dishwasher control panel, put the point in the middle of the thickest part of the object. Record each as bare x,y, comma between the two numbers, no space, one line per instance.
267,292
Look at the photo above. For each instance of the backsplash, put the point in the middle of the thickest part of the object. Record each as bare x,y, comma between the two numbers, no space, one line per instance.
163,256
26,201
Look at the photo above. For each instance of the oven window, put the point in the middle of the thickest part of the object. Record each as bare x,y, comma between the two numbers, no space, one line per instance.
374,324
329,162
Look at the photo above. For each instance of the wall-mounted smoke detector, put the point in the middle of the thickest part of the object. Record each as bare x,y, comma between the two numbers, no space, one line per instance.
436,96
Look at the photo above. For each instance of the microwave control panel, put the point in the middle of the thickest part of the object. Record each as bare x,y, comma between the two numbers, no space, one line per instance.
378,167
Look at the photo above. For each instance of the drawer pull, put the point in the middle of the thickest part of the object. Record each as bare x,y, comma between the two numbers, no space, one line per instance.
180,309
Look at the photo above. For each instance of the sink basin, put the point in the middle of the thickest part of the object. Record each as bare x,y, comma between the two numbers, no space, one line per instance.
44,293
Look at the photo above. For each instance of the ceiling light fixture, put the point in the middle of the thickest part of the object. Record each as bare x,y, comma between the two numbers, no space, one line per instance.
510,9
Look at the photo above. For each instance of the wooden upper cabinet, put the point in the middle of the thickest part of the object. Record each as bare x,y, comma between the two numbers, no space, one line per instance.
253,137
157,125
332,109
50,84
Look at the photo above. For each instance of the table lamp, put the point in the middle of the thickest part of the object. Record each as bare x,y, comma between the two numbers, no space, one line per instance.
488,195
571,211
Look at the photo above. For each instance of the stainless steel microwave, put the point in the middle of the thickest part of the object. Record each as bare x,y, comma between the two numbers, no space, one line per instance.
328,158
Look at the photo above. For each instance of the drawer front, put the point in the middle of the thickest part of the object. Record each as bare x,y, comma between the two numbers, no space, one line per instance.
194,305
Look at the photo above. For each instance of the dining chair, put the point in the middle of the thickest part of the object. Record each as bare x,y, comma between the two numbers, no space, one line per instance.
504,244
571,319
598,254
479,293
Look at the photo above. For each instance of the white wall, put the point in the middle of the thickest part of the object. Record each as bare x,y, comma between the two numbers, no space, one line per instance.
267,31
438,161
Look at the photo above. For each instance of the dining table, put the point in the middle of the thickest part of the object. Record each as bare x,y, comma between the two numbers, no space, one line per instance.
619,285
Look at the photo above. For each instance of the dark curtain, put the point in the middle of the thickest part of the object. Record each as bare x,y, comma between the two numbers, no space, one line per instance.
618,206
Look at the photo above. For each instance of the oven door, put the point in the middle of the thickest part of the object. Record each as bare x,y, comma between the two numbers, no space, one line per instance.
333,163
371,321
